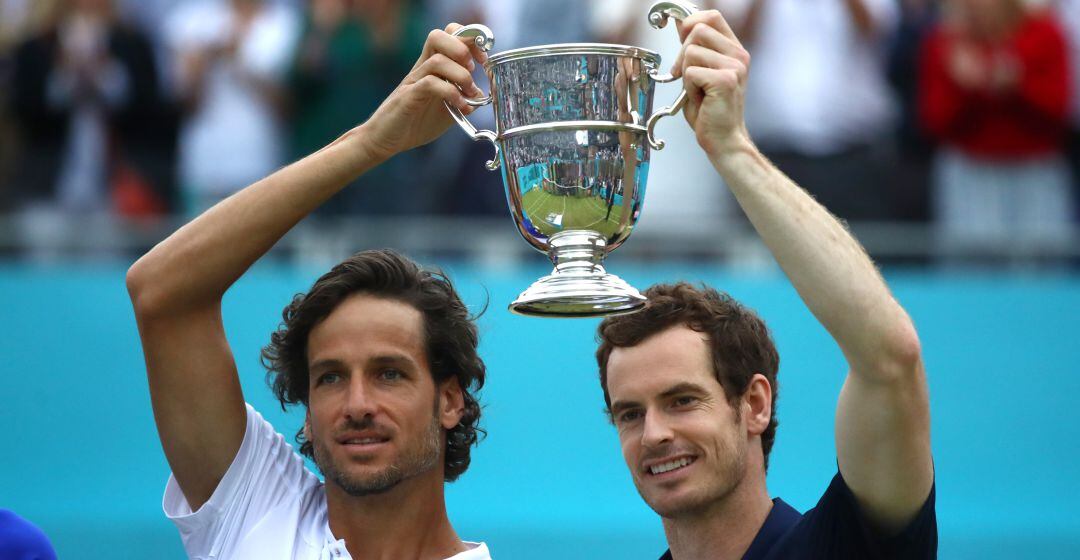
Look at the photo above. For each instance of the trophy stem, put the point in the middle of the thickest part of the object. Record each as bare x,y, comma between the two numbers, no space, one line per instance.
577,250
579,286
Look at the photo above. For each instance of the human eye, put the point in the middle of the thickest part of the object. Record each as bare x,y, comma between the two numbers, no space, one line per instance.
391,374
628,416
684,401
327,378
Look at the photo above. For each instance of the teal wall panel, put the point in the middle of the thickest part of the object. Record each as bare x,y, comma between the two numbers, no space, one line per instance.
82,460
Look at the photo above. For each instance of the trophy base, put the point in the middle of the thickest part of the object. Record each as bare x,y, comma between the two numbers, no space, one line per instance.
565,295
579,286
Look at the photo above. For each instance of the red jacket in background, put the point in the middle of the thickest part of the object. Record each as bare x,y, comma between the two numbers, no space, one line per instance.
1030,120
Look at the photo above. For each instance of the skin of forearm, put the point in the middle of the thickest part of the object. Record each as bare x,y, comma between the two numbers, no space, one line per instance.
196,265
827,266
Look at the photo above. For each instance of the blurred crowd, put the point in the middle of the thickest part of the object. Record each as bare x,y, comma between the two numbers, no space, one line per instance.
963,115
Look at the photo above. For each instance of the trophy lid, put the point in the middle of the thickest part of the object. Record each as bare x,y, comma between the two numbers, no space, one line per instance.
651,57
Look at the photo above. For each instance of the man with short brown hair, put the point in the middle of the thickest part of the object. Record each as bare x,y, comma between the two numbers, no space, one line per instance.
690,381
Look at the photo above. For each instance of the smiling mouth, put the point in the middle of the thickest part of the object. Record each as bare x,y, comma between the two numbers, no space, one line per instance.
671,466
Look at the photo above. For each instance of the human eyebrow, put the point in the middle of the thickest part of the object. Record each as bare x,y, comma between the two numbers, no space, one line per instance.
396,360
391,358
325,364
683,388
620,406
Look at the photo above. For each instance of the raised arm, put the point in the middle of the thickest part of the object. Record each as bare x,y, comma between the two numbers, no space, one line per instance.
177,287
882,424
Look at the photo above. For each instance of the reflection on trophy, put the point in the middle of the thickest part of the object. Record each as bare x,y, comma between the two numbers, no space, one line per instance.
574,128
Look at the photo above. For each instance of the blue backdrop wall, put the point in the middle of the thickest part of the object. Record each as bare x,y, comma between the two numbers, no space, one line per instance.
81,457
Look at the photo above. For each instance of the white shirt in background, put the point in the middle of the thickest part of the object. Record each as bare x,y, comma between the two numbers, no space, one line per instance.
235,136
816,85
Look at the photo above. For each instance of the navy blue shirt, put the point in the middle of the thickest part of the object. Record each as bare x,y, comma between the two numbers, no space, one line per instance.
835,528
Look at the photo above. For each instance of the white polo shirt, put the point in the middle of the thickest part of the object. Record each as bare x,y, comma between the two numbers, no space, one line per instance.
267,506
816,85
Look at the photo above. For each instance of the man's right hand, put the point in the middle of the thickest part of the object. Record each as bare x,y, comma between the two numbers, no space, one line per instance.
714,67
413,114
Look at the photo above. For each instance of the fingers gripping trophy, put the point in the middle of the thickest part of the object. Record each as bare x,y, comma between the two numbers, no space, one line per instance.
574,126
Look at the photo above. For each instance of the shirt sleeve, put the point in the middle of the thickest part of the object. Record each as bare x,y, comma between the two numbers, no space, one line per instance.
264,474
836,528
1043,57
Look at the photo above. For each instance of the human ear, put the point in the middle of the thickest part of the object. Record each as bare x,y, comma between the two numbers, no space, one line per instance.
757,405
451,403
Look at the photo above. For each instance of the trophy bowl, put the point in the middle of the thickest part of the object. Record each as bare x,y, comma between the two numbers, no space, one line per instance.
574,127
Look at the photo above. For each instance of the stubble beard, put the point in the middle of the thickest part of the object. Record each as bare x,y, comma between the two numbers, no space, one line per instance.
413,462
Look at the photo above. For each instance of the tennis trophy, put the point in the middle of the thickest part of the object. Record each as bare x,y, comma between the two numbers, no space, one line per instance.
574,125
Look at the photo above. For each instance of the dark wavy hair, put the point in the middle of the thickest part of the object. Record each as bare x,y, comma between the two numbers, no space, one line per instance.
450,334
739,340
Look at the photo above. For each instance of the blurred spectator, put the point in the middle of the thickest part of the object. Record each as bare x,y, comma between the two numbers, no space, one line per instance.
231,57
152,17
18,20
351,55
86,101
1068,12
21,18
995,92
910,179
817,103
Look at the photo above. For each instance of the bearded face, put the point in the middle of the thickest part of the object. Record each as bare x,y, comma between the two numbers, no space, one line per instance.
375,416
418,457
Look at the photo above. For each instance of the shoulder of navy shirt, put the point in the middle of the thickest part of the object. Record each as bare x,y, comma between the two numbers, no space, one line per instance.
835,528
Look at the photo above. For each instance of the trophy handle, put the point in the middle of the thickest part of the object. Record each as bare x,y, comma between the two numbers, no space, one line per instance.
658,18
485,39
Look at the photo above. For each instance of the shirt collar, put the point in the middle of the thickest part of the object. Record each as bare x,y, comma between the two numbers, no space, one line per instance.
780,520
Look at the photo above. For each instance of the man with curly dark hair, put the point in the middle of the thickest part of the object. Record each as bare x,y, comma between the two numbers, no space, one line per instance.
691,380
381,353
447,331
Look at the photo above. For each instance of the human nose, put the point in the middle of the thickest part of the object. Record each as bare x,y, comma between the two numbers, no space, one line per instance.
360,401
655,431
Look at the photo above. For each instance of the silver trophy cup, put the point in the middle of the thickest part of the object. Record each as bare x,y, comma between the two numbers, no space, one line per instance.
574,126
